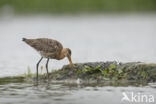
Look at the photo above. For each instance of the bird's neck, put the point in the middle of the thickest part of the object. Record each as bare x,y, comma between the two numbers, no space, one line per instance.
62,53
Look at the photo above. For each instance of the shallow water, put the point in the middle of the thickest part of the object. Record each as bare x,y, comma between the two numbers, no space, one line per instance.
122,38
52,93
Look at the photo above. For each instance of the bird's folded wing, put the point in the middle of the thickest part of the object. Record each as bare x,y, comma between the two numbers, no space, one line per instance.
46,45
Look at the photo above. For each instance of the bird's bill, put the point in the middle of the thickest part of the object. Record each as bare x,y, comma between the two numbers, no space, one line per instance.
70,60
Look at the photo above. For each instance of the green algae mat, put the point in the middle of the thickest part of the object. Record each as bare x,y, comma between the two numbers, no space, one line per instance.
97,72
100,71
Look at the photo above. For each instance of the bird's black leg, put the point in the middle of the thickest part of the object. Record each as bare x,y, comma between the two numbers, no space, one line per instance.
47,68
37,66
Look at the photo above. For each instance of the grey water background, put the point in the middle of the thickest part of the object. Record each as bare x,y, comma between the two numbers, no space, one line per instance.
95,30
107,37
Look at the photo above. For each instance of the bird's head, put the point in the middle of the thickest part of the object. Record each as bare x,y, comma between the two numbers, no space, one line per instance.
68,53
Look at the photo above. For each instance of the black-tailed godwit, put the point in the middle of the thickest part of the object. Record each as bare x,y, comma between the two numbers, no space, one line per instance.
50,49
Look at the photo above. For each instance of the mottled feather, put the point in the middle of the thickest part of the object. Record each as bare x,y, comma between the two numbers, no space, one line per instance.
48,48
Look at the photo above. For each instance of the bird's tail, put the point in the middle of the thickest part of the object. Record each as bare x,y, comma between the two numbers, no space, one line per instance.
23,39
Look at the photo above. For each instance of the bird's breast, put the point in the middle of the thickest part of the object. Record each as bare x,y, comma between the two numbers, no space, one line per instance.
48,55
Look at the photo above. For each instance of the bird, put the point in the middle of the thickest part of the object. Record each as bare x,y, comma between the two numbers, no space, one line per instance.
49,49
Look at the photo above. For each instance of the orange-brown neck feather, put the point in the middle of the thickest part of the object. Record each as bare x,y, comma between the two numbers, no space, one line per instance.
62,54
65,53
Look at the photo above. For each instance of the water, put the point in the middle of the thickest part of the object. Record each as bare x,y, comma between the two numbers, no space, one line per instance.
50,93
91,38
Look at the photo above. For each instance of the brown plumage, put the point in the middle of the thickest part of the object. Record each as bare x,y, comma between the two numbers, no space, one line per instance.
50,49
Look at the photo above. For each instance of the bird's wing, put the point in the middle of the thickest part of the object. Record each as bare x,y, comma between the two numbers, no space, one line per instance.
45,45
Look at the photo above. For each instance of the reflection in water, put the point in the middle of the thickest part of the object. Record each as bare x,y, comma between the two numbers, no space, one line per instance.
52,93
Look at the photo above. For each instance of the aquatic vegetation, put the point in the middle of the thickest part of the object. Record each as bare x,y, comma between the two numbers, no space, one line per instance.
41,69
6,80
29,74
111,66
107,71
101,71
96,72
87,69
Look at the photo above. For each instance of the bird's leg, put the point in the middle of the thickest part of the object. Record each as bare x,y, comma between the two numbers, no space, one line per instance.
47,68
37,67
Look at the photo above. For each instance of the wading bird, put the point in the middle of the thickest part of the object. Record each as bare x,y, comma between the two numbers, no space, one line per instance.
50,49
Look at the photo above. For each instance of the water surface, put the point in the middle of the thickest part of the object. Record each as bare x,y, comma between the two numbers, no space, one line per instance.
121,38
50,93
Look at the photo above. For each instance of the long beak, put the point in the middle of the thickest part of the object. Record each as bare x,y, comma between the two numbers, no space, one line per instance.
70,60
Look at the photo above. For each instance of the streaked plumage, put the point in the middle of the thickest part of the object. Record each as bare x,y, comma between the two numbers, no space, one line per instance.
50,49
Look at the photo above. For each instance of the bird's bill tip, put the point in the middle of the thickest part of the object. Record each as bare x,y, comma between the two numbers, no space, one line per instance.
70,60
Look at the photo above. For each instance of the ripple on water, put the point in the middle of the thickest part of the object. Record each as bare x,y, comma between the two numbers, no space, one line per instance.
50,93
